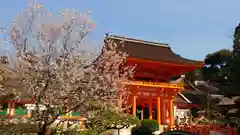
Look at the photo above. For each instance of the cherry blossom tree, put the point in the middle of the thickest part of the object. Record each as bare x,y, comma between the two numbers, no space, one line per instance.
48,65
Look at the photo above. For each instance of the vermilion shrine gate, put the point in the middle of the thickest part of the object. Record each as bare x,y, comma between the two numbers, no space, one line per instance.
150,88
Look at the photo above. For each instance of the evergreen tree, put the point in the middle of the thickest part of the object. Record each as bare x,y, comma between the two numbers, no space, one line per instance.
235,65
236,41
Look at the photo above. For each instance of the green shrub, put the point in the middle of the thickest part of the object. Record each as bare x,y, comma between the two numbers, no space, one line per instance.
141,130
152,124
108,132
84,132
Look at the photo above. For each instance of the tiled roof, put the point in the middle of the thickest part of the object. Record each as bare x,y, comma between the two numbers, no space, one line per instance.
180,98
223,100
151,51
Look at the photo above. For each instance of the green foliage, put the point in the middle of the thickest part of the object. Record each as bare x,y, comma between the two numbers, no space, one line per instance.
235,71
221,58
236,42
108,132
217,67
109,120
152,124
223,66
194,112
141,130
222,70
194,75
18,129
235,66
119,120
216,70
87,132
73,132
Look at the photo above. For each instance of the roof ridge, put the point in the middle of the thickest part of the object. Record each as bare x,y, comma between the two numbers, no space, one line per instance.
139,41
185,98
191,85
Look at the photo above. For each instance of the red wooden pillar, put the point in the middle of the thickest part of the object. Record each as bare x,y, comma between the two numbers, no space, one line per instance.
171,112
150,108
142,112
134,102
82,124
11,106
163,111
158,110
167,113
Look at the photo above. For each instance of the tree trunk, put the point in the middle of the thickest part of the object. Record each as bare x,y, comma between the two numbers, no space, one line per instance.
45,130
208,107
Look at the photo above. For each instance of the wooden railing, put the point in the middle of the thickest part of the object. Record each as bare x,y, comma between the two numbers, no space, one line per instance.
154,84
205,129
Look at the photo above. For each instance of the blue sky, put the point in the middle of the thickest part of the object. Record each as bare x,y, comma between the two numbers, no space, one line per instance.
193,28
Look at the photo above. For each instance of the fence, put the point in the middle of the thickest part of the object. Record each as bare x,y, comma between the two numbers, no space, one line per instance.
205,129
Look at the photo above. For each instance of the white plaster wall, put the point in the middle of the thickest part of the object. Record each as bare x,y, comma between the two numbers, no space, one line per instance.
127,131
175,111
181,112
